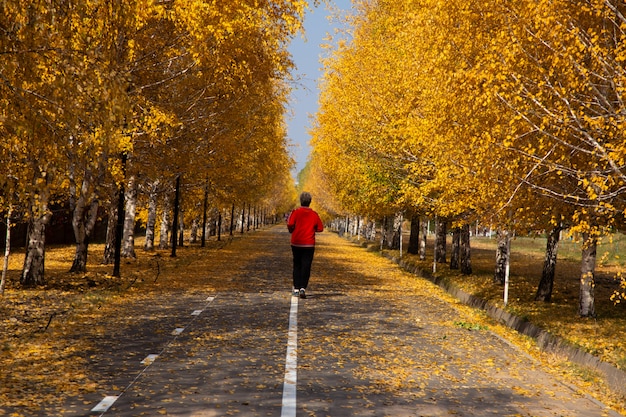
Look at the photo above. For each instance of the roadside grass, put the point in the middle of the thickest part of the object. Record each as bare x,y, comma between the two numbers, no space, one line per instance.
603,336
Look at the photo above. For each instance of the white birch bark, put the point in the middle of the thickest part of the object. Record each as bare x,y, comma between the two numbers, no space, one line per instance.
164,241
128,238
587,280
7,250
34,259
152,216
423,238
502,255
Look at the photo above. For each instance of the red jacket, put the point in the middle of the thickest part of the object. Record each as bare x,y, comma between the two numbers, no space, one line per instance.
303,223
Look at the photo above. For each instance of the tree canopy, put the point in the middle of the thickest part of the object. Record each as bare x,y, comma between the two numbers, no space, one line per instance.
185,88
506,113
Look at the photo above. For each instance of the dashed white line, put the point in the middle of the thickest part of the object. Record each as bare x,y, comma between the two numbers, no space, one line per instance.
105,404
149,359
291,363
108,401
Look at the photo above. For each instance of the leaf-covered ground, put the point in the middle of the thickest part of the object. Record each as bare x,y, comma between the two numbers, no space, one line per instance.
48,333
603,336
62,342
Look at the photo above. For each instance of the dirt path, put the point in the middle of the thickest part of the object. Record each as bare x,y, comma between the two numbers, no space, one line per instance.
372,341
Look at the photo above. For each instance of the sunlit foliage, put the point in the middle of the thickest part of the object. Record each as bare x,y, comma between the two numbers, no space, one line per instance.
507,113
188,88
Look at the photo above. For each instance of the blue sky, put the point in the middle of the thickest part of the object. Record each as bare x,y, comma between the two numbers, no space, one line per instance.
306,55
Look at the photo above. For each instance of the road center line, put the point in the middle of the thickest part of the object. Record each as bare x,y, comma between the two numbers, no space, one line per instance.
291,363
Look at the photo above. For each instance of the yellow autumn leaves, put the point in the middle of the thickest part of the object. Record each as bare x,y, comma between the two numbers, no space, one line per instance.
476,110
186,86
506,113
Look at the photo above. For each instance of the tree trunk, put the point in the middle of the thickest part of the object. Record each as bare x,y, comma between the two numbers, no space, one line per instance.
414,236
109,247
83,222
502,255
391,232
243,218
370,230
219,226
456,248
423,239
84,205
34,260
164,241
465,255
175,217
587,281
248,218
205,204
213,222
383,233
120,216
112,250
396,232
342,227
7,250
232,219
181,230
195,227
442,231
373,230
152,215
544,291
399,229
128,250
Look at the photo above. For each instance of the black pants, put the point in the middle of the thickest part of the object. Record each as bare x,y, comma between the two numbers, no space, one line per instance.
302,260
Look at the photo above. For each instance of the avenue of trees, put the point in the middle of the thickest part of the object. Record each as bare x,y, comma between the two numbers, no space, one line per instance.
119,106
508,114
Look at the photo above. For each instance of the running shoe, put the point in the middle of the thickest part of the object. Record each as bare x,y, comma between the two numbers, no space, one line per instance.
302,293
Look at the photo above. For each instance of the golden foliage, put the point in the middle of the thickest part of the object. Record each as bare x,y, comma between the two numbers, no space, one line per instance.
506,113
476,110
187,87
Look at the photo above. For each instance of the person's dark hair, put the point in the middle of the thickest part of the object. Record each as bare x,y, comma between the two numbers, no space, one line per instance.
305,199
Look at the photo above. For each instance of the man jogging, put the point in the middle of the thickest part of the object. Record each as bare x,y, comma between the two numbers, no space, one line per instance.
303,223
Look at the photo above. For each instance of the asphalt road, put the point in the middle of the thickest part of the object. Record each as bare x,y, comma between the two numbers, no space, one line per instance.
364,343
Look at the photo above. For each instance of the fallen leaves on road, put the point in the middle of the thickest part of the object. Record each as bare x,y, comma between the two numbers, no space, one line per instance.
47,335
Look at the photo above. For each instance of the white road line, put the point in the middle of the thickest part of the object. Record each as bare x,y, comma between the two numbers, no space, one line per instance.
291,363
149,359
104,405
